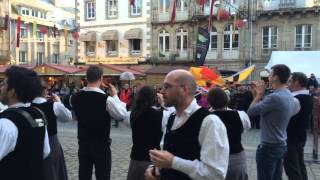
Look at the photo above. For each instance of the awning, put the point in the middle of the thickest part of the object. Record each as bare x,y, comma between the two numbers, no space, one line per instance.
89,36
109,35
133,34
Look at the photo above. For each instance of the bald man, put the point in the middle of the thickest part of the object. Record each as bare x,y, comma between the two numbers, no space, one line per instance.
195,143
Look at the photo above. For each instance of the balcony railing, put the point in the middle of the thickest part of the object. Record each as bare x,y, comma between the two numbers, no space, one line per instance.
287,4
91,54
135,52
112,53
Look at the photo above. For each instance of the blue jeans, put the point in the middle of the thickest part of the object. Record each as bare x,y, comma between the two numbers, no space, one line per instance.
269,159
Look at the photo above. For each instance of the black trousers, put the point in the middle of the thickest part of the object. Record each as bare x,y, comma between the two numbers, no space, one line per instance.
294,162
97,155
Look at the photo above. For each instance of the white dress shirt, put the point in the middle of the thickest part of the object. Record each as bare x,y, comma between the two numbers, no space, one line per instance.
214,154
62,113
9,135
245,120
115,107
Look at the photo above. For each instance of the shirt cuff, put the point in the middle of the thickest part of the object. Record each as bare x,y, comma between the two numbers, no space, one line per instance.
182,165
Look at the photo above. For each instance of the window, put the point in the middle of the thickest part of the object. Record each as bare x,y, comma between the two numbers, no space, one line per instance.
231,37
269,35
303,36
135,46
90,10
42,15
112,48
39,58
22,57
25,11
112,8
34,13
182,5
23,32
136,9
164,6
55,59
164,41
91,48
40,36
182,40
213,39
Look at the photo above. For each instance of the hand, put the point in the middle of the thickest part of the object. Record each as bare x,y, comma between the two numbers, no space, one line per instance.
162,159
160,99
148,174
259,88
113,90
55,98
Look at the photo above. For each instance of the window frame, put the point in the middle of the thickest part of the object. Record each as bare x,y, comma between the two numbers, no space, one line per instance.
269,36
182,8
135,14
56,58
93,44
303,36
213,33
116,48
108,9
92,8
231,40
38,59
25,57
181,32
164,10
164,34
133,52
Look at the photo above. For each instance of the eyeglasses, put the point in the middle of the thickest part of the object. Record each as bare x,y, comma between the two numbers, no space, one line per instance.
167,86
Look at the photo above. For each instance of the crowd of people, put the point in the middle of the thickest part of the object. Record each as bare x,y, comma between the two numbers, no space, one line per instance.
175,135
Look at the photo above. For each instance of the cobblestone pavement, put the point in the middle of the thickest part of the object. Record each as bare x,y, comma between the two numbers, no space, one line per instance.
121,145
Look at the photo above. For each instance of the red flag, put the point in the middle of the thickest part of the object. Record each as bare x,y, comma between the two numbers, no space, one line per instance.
173,15
18,31
210,16
43,30
6,21
132,2
75,34
202,2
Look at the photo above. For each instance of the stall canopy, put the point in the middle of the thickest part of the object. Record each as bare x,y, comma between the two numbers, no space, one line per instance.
55,70
298,61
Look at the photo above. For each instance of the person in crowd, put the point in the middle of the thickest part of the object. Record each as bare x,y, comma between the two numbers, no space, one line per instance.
94,109
312,82
54,110
236,122
55,89
125,95
146,125
275,110
195,143
64,91
297,129
23,135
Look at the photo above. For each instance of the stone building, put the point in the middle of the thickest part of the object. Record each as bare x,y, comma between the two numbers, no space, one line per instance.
114,32
4,35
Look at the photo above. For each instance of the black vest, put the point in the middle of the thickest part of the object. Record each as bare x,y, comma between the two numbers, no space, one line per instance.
47,109
234,126
146,134
26,161
297,127
183,142
93,117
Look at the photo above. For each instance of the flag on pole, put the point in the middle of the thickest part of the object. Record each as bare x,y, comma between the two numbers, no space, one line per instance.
43,30
210,16
6,21
241,75
18,31
173,15
66,38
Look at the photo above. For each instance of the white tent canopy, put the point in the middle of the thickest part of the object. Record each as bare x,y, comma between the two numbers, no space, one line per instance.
298,61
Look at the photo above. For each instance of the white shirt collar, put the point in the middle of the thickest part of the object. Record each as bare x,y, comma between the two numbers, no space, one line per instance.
304,91
93,89
191,108
19,104
39,100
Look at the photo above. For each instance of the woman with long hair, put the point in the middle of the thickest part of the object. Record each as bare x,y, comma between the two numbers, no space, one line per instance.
146,125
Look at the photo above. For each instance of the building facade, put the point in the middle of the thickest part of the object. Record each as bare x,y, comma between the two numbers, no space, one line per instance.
176,43
44,37
114,32
4,34
285,25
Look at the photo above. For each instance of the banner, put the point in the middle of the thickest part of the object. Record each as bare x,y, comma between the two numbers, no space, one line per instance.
202,46
173,15
66,38
6,21
18,31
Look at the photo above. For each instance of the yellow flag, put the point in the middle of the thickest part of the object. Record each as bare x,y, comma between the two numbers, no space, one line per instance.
241,75
66,38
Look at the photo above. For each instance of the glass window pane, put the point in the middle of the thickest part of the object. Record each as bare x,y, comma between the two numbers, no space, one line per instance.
167,44
161,44
179,42
185,42
307,40
299,29
226,41
167,5
274,41
213,41
235,43
298,40
308,29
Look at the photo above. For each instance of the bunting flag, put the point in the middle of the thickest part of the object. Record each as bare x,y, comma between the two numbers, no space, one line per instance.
204,76
219,10
241,75
210,16
174,9
132,2
6,22
75,34
34,28
66,38
18,31
43,30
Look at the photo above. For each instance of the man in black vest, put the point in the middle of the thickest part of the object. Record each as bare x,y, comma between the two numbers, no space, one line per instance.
23,136
93,109
195,144
297,128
